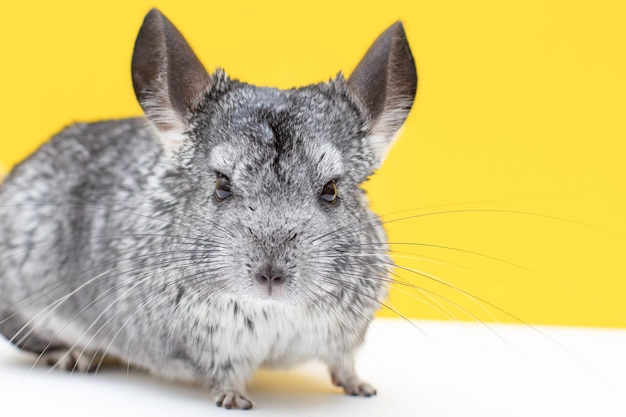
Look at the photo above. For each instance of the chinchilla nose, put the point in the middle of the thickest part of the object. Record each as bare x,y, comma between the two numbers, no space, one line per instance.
271,276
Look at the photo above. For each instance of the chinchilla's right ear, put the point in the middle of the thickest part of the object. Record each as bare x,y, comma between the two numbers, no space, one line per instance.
384,85
168,79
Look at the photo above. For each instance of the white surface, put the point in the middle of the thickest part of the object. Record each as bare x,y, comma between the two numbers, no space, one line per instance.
443,369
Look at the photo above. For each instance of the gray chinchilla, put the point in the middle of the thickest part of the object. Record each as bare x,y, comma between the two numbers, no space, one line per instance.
223,232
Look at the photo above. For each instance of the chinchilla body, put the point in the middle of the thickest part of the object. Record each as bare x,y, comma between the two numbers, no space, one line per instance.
223,232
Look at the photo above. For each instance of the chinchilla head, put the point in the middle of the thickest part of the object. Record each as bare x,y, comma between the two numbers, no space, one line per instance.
275,174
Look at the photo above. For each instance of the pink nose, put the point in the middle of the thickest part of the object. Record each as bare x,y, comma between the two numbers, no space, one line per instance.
270,276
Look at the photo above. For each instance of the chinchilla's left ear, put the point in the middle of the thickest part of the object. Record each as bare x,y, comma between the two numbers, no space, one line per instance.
168,79
384,85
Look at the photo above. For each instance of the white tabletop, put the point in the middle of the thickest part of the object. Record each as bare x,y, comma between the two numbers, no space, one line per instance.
442,369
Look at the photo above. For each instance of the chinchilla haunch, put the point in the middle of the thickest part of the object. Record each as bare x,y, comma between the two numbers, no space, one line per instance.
223,232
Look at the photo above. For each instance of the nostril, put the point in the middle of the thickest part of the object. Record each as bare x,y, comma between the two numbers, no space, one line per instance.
270,275
274,279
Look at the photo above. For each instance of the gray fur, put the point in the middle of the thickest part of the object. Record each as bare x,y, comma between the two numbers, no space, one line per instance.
113,244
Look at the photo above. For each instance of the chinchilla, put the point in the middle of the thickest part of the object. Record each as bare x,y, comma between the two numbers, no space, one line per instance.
223,232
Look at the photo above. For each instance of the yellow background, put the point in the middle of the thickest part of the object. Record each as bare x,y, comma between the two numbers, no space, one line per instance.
511,163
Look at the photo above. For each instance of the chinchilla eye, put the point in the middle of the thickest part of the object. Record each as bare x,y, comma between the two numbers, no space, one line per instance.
222,188
329,192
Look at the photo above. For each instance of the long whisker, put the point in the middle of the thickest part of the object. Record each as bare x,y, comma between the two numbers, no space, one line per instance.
137,281
138,309
364,224
399,283
386,305
58,301
54,305
168,222
378,262
44,290
504,211
407,255
469,252
514,317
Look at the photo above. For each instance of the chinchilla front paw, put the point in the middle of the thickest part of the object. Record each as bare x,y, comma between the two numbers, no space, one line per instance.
233,399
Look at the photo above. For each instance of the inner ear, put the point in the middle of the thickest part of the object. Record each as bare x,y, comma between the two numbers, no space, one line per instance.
168,78
384,85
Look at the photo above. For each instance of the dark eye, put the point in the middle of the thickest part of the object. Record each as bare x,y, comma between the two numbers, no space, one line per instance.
329,192
222,188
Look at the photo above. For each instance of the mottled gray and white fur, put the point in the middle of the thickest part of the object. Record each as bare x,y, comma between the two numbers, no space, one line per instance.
223,232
